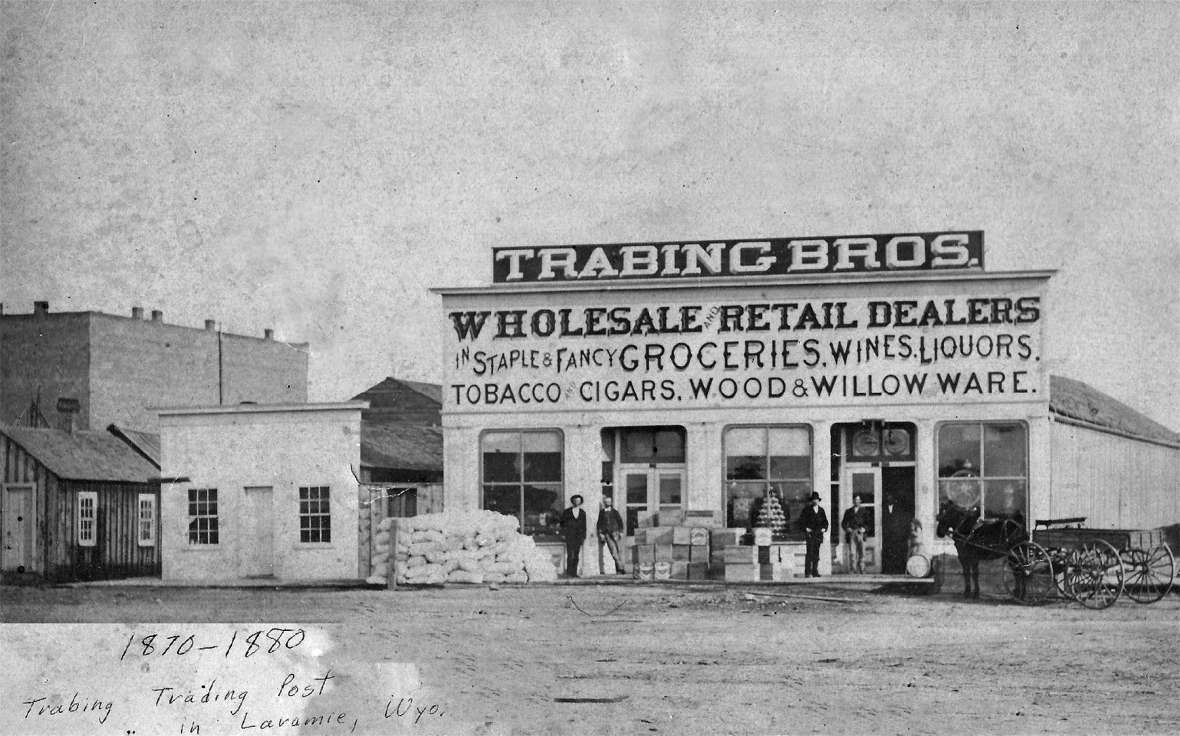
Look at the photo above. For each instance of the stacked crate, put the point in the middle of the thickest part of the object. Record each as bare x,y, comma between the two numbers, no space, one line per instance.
749,563
672,545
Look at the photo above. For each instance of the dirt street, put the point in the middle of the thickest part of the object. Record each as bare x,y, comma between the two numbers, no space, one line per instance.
681,659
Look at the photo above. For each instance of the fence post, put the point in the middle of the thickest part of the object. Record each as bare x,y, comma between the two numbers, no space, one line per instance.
391,584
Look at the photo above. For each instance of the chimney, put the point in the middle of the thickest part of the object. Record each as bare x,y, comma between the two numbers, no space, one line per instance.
68,409
41,308
268,334
137,313
211,325
157,316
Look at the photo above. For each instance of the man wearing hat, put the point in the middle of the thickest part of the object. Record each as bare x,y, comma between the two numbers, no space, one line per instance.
814,521
573,529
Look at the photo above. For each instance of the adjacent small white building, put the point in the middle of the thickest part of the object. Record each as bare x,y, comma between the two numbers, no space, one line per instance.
257,491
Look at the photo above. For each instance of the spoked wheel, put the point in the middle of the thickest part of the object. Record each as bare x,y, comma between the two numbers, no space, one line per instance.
1149,574
1062,578
1028,574
1095,574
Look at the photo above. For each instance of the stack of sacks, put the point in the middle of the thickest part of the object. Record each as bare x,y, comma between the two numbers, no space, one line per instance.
458,547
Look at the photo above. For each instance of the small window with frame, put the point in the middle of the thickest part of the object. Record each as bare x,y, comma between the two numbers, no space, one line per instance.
315,515
87,518
145,520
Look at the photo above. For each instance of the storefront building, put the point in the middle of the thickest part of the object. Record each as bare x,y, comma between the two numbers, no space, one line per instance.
700,376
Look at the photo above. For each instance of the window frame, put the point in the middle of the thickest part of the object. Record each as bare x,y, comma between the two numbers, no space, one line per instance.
212,531
521,483
324,511
86,535
148,540
792,534
980,477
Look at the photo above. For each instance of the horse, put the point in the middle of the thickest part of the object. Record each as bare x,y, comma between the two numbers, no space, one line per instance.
975,540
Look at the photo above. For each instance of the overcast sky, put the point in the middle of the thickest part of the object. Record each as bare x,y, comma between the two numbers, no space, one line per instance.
317,167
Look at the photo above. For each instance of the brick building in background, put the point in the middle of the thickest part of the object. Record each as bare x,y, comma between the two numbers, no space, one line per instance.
116,367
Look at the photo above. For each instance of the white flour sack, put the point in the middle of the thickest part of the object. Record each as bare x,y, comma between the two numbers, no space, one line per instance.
457,547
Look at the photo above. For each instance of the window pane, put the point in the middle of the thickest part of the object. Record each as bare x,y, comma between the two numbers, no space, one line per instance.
508,442
1005,499
637,445
745,467
653,444
864,485
670,489
790,467
542,466
741,501
794,441
541,442
745,441
669,444
958,449
502,499
501,467
1004,450
963,491
636,488
542,509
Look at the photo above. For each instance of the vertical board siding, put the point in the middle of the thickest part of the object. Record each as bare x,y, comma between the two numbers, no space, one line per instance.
58,555
20,467
116,552
1115,482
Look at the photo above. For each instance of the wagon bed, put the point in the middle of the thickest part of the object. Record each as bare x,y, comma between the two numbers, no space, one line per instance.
1096,566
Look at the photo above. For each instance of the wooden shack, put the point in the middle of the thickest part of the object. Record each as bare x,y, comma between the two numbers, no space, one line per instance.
76,506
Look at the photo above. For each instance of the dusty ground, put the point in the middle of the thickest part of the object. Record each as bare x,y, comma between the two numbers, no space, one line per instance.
705,659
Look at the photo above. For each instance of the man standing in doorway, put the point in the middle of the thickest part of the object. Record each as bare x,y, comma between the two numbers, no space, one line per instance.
855,524
573,529
610,531
897,523
814,521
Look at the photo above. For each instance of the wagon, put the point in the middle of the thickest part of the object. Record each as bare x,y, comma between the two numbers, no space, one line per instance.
1097,566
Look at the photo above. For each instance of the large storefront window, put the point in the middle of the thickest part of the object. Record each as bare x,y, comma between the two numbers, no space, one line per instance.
522,477
985,464
759,460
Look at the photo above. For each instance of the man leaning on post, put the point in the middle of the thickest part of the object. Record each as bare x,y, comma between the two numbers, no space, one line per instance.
610,530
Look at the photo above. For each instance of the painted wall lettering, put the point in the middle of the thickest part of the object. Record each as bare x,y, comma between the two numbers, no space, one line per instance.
762,257
833,351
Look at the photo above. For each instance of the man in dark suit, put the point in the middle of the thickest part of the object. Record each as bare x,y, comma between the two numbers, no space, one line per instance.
573,529
610,531
814,521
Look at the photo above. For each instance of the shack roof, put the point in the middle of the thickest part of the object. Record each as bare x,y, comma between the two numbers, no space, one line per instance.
401,446
89,456
403,402
145,443
1088,406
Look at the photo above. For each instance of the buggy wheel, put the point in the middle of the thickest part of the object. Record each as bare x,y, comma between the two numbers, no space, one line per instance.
1061,574
1027,574
1096,575
1149,574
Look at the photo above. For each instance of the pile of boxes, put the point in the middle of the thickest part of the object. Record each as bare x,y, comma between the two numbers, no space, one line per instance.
762,561
691,545
673,545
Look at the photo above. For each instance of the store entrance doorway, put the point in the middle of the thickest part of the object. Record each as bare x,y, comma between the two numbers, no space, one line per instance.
646,471
655,488
897,516
864,482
